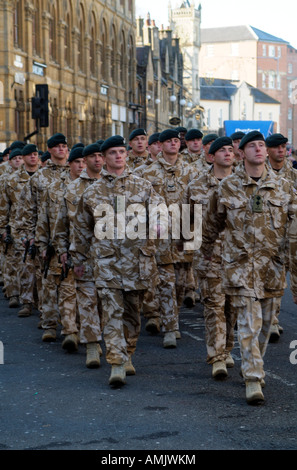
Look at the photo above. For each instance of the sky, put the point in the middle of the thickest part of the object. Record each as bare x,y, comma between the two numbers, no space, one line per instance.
276,17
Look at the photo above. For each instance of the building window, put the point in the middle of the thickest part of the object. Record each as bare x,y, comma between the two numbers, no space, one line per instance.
210,50
271,80
290,68
235,49
271,51
17,38
290,114
264,50
93,60
263,80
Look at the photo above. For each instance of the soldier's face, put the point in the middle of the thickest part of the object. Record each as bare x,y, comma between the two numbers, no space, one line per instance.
115,158
255,152
16,162
224,157
76,167
139,143
237,153
194,145
59,152
32,159
171,146
277,154
95,162
155,148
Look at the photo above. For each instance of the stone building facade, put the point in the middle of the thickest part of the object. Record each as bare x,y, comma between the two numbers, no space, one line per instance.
85,51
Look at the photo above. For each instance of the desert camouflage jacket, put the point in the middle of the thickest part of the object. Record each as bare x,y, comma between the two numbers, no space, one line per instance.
134,161
200,190
32,195
124,257
64,223
171,182
256,217
10,196
5,168
190,157
287,172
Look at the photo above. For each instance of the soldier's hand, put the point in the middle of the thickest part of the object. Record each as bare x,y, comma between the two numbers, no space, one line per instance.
79,271
63,259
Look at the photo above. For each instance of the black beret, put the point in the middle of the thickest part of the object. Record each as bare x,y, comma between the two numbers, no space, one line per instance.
100,141
168,134
46,156
209,138
76,152
275,140
17,144
114,141
154,138
219,143
15,152
30,148
92,148
181,129
6,151
193,134
56,139
238,135
137,132
250,137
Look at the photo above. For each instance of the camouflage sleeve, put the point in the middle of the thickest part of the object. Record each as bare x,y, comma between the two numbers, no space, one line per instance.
83,232
42,231
27,211
4,208
293,245
214,220
60,238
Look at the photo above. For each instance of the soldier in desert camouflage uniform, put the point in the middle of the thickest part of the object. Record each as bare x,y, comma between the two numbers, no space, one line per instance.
12,252
86,293
218,314
26,270
255,208
57,282
154,149
204,162
138,154
236,138
193,151
277,160
169,176
30,211
124,267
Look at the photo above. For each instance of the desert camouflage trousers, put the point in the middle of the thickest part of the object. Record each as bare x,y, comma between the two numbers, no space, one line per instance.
59,303
219,318
10,270
30,277
160,302
121,322
253,324
164,301
89,312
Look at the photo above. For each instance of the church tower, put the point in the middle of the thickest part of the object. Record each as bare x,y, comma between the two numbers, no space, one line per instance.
185,22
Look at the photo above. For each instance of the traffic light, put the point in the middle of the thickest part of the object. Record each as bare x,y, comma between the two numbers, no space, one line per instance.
40,105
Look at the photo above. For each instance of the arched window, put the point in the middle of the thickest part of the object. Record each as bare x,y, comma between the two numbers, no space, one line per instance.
104,71
131,53
68,42
113,54
93,61
81,23
36,31
17,31
53,33
123,61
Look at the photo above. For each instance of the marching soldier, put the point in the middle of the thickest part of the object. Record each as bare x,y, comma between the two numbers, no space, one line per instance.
236,138
138,154
170,176
89,312
205,161
30,212
255,208
219,319
124,262
193,139
12,253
